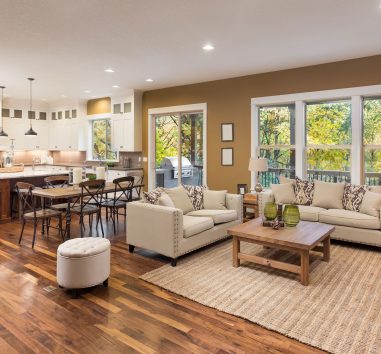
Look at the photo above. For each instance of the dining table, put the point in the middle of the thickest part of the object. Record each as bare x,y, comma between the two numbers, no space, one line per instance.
73,192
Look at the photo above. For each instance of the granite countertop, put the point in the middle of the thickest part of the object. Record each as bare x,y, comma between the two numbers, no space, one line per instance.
36,173
120,168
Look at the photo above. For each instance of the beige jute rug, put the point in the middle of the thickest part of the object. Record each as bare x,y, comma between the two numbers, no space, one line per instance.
340,311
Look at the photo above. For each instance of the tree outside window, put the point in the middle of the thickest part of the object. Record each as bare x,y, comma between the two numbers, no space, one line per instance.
101,140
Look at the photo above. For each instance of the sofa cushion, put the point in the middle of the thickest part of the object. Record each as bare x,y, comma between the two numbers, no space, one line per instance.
349,218
304,191
283,193
371,204
353,195
193,225
328,195
165,200
283,180
309,213
180,198
218,216
215,199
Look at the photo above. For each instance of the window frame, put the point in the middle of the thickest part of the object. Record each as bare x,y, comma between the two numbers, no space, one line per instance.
356,96
90,148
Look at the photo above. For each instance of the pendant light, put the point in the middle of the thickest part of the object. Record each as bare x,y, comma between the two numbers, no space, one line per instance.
30,131
2,132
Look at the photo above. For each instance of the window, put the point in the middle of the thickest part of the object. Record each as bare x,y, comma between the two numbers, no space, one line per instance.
328,141
101,140
372,140
276,142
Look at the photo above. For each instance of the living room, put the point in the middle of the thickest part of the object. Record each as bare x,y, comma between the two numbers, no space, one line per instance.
190,176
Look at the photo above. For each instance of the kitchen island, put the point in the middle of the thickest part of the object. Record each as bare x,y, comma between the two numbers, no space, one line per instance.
29,175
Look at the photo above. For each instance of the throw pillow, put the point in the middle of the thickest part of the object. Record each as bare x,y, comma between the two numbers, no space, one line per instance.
196,195
180,199
353,196
304,191
371,203
214,200
283,180
328,195
165,200
284,193
153,196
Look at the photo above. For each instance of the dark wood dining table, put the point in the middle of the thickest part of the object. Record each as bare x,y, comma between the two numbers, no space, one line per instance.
71,193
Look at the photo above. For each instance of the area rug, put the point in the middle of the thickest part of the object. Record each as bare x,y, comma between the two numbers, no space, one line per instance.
340,311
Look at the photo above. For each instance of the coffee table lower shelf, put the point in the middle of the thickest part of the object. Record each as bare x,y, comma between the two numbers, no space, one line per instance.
303,270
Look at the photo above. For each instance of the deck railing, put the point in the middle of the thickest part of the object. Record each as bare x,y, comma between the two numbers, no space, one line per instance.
272,176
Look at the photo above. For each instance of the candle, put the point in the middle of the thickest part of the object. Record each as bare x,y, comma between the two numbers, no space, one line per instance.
101,172
77,175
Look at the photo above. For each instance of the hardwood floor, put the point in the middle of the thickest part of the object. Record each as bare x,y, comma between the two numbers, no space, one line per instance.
128,316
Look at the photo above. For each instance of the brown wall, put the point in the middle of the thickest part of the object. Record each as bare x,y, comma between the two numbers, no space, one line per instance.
229,101
99,106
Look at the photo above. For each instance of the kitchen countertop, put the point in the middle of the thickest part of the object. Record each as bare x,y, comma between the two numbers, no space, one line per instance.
35,173
116,168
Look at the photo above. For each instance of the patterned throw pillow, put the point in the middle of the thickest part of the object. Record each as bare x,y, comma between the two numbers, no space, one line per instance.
304,191
353,195
153,196
196,195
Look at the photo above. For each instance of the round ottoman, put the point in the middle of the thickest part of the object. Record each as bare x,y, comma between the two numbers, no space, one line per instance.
83,262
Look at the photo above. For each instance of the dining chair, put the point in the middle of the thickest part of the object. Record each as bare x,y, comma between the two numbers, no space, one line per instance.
138,181
29,212
122,195
57,182
89,203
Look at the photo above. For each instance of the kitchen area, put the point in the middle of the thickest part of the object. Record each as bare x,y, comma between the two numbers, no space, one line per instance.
40,139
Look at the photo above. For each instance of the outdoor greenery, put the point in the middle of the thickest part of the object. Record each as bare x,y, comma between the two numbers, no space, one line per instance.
372,134
101,140
167,137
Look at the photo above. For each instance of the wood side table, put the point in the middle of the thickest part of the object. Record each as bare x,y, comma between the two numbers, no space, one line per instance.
250,202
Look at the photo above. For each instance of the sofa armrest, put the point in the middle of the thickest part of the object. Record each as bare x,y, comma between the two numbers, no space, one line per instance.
264,197
234,202
154,227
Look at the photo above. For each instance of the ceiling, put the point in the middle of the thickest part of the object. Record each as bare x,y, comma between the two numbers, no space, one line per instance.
66,45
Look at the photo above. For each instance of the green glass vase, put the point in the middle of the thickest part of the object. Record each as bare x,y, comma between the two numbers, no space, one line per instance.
291,215
270,211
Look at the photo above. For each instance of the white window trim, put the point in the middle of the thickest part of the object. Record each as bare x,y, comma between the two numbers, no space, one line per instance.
91,119
354,94
152,112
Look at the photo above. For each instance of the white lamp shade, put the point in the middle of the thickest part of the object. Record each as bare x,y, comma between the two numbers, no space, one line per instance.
258,164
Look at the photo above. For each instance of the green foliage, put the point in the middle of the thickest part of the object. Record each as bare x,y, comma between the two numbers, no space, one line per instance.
275,125
101,138
372,134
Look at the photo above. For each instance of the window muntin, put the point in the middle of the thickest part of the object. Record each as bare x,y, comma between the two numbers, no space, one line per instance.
101,140
372,140
276,141
328,140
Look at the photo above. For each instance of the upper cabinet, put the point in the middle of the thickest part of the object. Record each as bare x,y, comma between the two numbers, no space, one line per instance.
126,123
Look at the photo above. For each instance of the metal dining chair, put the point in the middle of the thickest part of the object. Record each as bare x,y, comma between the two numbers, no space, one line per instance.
138,181
122,195
28,202
89,203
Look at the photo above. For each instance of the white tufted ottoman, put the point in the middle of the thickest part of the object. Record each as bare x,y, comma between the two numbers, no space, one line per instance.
83,262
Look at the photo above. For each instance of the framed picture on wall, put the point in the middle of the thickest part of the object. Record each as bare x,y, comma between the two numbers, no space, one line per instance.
227,158
227,132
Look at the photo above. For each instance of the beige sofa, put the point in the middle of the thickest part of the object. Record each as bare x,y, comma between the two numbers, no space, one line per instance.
349,225
167,231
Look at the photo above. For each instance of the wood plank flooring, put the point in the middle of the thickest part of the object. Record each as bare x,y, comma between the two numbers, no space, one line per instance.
127,317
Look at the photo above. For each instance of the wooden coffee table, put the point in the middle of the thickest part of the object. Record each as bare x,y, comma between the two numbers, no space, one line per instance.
305,237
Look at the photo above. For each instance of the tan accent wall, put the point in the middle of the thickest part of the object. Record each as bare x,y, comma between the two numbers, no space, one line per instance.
99,106
229,101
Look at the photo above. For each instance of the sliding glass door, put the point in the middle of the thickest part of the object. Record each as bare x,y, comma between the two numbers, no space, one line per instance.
179,149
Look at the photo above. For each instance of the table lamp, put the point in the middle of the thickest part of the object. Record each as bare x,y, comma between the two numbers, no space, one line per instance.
258,164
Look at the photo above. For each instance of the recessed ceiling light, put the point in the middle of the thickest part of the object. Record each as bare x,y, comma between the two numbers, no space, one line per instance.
109,70
87,91
208,47
149,80
115,86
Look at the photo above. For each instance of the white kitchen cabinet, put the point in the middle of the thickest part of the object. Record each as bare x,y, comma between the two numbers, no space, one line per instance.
67,135
112,174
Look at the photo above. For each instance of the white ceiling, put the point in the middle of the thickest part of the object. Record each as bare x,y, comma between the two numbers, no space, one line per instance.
66,45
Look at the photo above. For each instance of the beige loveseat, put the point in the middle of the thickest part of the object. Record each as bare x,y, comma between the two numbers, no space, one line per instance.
166,230
349,225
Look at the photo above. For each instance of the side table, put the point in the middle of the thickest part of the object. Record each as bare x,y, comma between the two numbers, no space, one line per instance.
250,202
